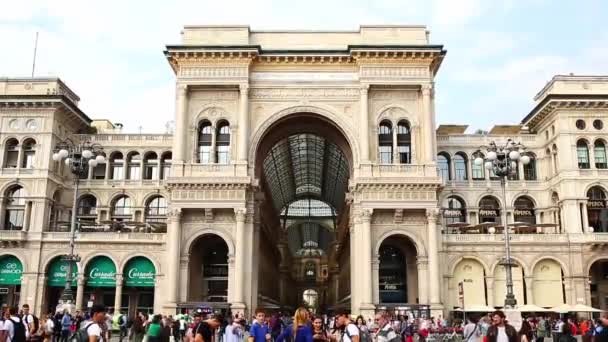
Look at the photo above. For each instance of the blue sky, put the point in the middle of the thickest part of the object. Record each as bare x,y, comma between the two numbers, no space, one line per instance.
500,52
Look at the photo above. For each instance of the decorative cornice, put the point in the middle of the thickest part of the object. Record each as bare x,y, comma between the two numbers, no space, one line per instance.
564,101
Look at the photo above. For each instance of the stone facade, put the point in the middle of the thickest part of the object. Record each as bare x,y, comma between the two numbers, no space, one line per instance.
252,89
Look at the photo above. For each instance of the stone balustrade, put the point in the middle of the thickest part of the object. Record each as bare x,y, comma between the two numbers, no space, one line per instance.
526,238
396,170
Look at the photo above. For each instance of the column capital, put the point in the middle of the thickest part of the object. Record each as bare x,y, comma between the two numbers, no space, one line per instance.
174,215
240,214
432,214
427,89
366,215
182,89
243,88
364,88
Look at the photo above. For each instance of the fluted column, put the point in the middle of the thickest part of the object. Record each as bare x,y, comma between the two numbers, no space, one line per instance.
173,256
80,291
181,123
239,279
243,122
423,293
376,279
364,123
428,129
431,215
365,265
118,293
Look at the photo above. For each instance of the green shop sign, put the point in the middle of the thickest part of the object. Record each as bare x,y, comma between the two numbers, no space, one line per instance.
58,272
101,272
10,270
140,272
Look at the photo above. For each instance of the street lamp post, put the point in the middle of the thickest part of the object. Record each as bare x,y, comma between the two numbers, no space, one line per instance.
78,157
502,160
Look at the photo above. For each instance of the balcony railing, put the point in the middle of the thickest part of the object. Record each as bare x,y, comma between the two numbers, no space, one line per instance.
523,238
397,170
12,236
104,237
215,170
103,138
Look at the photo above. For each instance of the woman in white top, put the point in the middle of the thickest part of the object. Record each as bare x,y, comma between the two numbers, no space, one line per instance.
472,331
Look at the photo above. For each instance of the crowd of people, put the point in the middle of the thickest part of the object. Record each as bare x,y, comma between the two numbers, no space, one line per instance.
97,325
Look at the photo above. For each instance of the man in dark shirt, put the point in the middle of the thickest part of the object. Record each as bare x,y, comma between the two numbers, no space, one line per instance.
205,330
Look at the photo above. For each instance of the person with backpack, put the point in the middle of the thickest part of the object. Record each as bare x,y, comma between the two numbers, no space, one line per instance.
364,335
16,328
348,331
66,325
28,319
472,331
93,331
36,331
386,333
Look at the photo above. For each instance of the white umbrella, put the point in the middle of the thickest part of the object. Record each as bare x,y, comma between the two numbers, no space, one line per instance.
478,308
531,308
564,308
585,308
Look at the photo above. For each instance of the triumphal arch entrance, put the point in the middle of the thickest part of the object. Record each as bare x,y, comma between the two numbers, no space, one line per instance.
303,170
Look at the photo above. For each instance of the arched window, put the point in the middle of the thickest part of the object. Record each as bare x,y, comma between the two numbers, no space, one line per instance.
404,142
117,166
151,165
599,149
515,168
460,167
530,168
454,210
121,209
582,154
385,143
205,135
11,154
134,166
524,210
99,172
443,163
87,207
15,209
478,170
489,210
165,165
29,152
223,143
156,210
392,275
597,214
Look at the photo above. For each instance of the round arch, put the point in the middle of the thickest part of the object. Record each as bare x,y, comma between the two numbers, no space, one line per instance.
416,241
454,262
312,111
10,185
151,195
548,257
21,258
86,260
517,260
403,114
211,112
51,258
115,195
125,260
7,139
593,261
489,194
210,231
594,184
524,195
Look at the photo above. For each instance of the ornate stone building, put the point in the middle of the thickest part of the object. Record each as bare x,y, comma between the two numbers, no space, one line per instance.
304,167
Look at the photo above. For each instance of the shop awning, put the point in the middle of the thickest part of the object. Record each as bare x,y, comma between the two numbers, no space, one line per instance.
101,272
140,272
58,271
10,270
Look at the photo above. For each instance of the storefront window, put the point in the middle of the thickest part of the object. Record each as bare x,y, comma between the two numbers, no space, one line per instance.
454,210
524,211
392,276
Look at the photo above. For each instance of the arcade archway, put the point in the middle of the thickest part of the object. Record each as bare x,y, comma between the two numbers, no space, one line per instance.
304,163
397,272
208,270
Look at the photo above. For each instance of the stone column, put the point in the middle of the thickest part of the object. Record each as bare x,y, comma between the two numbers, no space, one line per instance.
213,145
173,259
423,294
571,211
80,282
431,215
376,279
240,254
585,218
591,156
365,264
490,287
529,290
243,122
428,129
118,293
354,281
364,124
395,151
27,216
181,124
